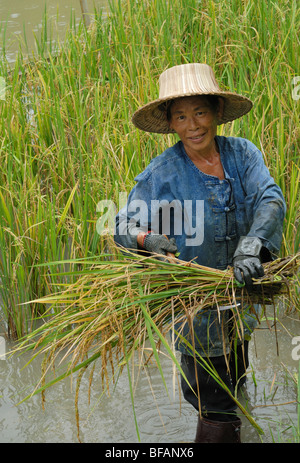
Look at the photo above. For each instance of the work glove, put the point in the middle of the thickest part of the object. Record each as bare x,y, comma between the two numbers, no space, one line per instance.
247,263
159,244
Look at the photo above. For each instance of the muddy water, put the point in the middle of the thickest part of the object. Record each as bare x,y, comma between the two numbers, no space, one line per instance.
270,395
18,17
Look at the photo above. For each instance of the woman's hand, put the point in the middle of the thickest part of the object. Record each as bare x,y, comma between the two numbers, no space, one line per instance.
247,262
158,244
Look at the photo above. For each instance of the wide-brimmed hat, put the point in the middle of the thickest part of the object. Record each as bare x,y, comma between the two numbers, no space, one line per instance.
187,80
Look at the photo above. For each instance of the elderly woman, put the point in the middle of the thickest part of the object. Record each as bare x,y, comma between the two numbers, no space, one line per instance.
212,199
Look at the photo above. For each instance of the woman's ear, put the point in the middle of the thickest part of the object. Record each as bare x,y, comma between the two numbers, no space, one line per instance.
220,110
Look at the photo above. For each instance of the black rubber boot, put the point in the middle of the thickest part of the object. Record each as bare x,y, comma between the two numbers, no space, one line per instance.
222,432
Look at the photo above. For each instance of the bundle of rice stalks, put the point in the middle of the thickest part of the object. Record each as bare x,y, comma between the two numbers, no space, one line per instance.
117,303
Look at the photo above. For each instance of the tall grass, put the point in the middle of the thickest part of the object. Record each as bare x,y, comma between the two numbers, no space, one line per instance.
116,306
66,140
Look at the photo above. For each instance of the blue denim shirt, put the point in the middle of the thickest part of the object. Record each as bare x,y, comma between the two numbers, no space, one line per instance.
207,216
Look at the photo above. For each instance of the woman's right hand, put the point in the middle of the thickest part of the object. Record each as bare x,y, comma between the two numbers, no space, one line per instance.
158,244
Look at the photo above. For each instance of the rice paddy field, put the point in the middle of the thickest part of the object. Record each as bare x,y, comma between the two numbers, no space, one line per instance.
67,144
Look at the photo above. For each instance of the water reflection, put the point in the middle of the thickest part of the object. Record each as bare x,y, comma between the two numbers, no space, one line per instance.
21,21
270,395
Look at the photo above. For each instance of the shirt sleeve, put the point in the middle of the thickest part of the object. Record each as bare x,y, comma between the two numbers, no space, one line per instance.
135,216
264,201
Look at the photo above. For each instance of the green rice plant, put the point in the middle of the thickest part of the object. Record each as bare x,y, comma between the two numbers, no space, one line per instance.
66,119
119,302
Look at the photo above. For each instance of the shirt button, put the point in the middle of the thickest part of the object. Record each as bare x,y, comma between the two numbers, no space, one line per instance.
228,238
227,209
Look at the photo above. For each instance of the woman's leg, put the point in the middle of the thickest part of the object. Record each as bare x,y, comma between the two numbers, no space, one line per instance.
218,421
214,401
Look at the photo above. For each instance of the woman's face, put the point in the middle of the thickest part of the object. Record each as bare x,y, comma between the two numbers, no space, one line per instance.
194,120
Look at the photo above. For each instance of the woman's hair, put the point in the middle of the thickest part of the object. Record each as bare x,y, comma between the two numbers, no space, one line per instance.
213,102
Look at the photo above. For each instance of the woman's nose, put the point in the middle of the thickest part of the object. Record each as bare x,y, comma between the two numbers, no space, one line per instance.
193,123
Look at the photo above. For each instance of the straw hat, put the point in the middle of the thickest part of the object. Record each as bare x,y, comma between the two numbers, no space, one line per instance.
187,80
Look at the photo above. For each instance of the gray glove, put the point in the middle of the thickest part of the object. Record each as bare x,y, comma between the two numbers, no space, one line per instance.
159,244
247,261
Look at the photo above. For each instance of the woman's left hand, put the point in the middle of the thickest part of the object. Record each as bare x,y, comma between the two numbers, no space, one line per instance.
247,262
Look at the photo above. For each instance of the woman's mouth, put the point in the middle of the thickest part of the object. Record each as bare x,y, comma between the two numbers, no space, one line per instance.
197,138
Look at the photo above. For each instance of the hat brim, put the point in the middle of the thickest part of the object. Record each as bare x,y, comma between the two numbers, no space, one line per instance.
151,118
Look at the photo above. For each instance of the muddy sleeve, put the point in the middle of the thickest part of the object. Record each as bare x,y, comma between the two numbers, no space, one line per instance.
265,200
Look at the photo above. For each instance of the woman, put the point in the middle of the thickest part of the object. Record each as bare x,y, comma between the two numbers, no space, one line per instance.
212,199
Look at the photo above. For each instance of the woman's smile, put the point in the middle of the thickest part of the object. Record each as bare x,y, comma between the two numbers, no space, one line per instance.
197,138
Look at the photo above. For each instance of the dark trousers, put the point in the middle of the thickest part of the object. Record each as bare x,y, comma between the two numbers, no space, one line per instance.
215,402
